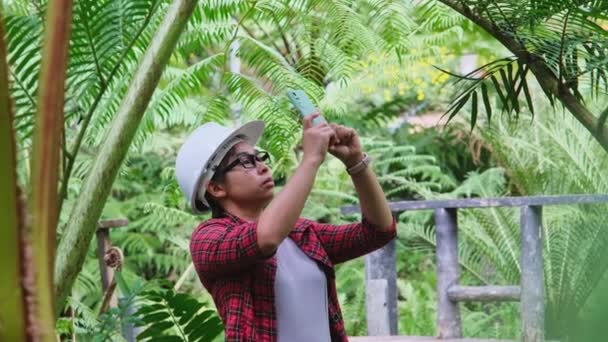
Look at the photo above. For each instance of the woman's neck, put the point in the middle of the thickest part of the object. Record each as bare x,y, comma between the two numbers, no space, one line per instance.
247,213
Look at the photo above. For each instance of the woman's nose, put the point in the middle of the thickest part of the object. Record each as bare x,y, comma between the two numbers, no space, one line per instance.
262,167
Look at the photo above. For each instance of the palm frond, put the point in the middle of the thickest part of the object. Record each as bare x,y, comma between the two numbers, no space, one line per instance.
566,38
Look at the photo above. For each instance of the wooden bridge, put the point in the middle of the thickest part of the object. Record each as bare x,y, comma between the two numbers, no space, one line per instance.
381,288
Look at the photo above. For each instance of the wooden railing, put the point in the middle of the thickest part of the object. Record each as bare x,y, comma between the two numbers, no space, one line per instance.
381,289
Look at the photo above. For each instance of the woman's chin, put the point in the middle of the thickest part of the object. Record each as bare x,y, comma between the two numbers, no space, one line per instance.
268,196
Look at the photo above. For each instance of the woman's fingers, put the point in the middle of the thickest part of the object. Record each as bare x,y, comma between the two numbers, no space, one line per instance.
343,134
338,134
308,120
329,132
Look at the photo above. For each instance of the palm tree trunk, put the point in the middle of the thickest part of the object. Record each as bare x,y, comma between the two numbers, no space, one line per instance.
82,221
13,309
546,78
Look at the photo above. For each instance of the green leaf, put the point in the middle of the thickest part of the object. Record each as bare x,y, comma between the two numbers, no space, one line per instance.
512,103
170,338
147,309
213,327
208,330
486,101
524,83
155,330
457,106
473,110
501,96
159,316
178,311
200,319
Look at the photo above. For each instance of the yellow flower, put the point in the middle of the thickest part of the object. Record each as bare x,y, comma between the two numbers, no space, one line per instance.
388,96
391,71
435,79
368,90
419,95
401,88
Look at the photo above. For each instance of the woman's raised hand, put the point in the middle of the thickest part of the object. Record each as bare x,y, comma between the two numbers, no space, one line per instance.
316,140
346,145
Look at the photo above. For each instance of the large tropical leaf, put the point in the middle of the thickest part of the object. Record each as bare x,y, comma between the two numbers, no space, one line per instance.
171,316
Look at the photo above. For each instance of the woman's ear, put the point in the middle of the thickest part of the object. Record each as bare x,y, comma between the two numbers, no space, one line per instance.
216,190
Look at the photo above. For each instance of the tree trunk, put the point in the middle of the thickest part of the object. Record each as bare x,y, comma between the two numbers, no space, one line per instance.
13,310
47,140
546,78
82,221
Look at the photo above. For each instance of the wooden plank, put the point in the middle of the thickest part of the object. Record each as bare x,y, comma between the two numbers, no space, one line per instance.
448,274
380,264
112,223
532,276
376,305
417,339
400,206
484,293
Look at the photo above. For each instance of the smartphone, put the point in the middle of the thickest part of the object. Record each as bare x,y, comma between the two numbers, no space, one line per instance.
305,107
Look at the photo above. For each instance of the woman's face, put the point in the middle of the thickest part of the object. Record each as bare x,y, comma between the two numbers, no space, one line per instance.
244,185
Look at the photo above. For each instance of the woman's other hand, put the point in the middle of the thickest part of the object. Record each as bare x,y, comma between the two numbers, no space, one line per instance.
316,140
346,145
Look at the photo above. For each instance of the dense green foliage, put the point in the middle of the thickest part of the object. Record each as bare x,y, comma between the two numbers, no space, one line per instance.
561,43
371,65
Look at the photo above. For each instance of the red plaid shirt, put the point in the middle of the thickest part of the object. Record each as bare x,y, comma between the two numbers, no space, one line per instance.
240,278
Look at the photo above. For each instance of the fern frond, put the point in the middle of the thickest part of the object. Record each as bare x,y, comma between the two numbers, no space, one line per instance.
558,157
23,35
177,316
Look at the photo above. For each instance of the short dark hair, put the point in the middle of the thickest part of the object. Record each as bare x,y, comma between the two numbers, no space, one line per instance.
219,177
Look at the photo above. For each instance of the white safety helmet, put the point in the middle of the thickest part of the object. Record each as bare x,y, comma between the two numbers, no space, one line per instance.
202,152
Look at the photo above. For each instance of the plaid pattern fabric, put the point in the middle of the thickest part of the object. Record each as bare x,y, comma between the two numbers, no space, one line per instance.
240,278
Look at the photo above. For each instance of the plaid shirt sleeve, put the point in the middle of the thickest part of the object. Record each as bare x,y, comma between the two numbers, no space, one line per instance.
348,241
220,250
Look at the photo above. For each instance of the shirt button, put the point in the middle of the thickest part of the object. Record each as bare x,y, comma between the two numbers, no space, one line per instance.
336,317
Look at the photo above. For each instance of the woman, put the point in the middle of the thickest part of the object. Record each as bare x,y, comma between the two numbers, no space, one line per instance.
270,272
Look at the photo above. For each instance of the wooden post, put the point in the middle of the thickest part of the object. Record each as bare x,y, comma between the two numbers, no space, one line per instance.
376,305
103,244
448,313
532,276
380,265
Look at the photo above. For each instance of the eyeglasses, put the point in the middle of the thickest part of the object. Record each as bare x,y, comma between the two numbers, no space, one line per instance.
248,160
